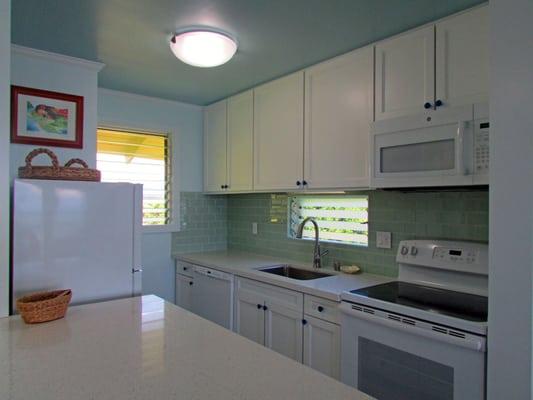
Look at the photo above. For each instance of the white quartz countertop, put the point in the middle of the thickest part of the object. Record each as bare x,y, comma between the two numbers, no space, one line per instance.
247,265
145,348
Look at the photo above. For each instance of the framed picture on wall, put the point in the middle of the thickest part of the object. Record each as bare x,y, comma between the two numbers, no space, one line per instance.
42,117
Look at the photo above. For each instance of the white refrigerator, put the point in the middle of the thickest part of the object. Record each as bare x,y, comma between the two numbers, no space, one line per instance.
83,236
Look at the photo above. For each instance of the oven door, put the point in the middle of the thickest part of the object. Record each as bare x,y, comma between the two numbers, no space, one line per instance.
423,150
391,357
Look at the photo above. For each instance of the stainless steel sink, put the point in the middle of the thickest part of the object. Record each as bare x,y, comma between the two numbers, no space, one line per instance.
295,273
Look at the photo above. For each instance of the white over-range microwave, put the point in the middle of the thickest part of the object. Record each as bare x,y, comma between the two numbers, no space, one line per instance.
446,148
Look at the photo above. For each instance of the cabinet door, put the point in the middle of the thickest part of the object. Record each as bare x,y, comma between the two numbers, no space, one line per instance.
250,316
405,74
283,330
462,67
338,112
322,346
278,133
215,147
184,286
240,142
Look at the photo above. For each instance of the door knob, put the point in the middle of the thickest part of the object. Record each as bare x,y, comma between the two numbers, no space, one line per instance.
427,105
438,103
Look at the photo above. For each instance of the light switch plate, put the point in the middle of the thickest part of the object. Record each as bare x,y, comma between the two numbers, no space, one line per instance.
254,228
383,240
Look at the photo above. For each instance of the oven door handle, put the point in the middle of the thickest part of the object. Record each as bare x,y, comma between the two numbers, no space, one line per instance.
473,343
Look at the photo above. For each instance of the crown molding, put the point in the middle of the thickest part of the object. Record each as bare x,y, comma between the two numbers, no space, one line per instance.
142,97
61,58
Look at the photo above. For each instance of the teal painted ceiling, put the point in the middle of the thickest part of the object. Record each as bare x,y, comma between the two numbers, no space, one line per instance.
275,37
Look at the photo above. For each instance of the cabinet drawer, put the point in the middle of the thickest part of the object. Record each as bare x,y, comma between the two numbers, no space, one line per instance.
322,308
270,293
184,268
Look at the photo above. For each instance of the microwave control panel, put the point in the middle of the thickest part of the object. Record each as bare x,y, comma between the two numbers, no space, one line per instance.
481,147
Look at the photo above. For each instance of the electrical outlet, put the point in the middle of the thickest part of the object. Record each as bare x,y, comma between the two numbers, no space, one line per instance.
383,240
254,228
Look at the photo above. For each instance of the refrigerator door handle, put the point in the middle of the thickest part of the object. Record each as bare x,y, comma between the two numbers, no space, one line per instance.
135,270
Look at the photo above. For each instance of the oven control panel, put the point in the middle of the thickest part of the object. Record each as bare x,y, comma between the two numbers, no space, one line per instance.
468,257
455,255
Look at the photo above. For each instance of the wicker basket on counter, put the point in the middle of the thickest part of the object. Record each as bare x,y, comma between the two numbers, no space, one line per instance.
55,171
44,306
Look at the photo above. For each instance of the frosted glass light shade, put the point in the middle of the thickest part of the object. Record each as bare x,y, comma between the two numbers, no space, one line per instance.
203,48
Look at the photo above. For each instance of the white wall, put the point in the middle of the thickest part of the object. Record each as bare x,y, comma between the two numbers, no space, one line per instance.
5,56
49,71
511,201
185,123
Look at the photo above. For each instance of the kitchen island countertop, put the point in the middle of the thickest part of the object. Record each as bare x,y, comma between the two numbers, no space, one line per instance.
146,348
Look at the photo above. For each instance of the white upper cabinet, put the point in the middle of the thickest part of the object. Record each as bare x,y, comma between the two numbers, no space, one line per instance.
240,142
278,133
215,147
405,74
462,54
338,113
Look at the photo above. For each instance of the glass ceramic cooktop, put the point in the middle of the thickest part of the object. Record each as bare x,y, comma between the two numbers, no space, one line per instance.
447,302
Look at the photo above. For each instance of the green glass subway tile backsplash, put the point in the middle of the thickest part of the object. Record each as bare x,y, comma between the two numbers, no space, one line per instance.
203,223
439,215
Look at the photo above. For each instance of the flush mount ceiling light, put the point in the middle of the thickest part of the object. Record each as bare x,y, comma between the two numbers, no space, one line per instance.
203,48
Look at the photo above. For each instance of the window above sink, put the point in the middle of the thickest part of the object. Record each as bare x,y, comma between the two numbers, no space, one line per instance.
341,219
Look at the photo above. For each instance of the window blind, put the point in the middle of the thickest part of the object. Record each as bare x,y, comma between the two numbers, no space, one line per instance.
341,219
144,158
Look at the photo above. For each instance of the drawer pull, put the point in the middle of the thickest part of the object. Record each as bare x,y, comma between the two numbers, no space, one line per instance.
320,308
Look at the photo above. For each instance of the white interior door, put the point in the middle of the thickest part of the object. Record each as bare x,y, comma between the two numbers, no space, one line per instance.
77,235
240,142
283,330
405,74
278,133
338,113
322,344
250,317
215,147
462,54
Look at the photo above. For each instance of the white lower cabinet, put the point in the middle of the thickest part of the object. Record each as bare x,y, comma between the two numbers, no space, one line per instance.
270,315
250,316
322,341
274,317
283,330
184,286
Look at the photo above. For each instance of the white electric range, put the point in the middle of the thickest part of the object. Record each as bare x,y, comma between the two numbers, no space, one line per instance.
423,336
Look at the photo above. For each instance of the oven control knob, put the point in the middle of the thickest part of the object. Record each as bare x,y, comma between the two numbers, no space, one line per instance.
404,251
414,251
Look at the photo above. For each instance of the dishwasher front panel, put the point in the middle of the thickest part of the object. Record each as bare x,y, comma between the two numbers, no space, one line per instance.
212,296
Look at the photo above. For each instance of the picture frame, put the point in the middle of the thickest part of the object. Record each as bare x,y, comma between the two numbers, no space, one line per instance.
43,117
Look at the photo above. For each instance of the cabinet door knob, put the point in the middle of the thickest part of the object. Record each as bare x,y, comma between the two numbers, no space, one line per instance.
304,183
427,105
438,103
265,308
320,308
190,283
304,322
298,183
259,306
221,186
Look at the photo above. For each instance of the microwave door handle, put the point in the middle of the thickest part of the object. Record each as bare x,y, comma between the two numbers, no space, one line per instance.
461,169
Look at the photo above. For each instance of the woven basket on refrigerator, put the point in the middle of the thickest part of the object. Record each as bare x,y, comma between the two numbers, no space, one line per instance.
44,306
66,173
